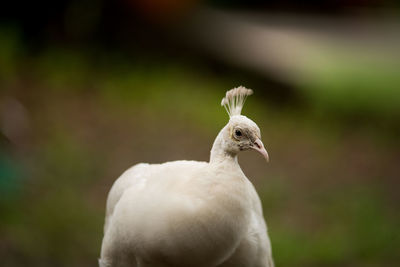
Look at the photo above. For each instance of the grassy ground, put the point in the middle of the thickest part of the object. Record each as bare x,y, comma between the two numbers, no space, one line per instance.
329,194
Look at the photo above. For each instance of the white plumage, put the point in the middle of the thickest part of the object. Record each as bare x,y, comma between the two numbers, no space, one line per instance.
190,213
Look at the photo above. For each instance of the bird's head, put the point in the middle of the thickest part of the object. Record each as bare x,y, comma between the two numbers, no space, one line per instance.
240,133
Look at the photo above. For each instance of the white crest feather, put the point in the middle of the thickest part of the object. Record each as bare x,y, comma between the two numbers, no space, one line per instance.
234,100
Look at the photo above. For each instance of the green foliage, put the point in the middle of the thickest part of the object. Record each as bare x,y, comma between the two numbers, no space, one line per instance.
10,53
346,83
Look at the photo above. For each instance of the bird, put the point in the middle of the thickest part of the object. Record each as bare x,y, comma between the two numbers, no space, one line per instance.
191,213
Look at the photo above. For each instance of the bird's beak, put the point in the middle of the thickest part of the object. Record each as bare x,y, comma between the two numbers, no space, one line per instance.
259,146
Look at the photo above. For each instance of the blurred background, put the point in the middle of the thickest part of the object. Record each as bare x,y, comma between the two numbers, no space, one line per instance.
88,88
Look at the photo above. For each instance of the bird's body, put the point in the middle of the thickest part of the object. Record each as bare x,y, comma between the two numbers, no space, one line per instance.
186,214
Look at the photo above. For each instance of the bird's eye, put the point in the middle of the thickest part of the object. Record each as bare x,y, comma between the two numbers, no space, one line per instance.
238,133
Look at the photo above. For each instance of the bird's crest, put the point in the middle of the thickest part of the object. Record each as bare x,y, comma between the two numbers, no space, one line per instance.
234,100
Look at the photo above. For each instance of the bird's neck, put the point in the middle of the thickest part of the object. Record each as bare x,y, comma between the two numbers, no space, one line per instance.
219,155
